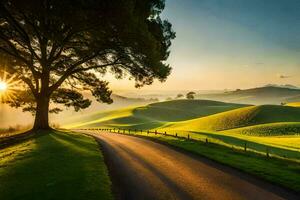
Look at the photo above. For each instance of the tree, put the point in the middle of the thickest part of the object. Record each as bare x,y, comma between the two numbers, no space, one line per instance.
190,95
59,49
169,99
179,96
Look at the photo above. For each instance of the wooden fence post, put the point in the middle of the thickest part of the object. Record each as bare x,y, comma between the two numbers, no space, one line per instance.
245,146
155,132
188,136
206,140
165,133
175,134
267,152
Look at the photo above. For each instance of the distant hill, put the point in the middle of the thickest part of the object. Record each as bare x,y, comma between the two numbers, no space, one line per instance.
199,116
294,104
69,116
257,96
248,116
13,117
282,86
155,114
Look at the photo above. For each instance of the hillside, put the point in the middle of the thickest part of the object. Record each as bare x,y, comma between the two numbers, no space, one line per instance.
119,102
294,104
248,116
15,117
271,129
155,114
257,96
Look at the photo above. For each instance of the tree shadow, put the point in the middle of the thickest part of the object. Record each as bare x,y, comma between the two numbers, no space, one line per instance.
60,166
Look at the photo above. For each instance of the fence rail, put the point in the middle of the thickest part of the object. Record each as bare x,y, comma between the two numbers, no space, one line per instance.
188,137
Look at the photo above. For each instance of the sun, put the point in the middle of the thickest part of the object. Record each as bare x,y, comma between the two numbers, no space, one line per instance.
3,86
8,87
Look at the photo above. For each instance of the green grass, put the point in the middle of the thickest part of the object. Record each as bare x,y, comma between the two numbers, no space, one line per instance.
248,116
155,115
263,128
271,129
285,146
270,169
55,165
294,104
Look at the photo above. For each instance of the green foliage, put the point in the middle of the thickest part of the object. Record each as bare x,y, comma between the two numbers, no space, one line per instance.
190,95
71,44
69,98
55,165
179,96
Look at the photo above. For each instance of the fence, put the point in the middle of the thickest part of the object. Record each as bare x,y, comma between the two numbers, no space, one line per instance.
188,137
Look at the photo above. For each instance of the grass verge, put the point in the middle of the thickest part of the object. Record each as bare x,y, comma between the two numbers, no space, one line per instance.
281,172
55,165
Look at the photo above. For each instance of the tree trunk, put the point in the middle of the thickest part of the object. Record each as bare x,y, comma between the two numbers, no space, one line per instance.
42,113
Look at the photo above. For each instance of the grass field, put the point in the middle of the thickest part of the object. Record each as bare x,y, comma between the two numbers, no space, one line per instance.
271,128
248,116
55,165
270,169
287,147
155,115
294,104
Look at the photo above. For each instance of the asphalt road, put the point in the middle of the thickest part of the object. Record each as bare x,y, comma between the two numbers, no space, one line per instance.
143,169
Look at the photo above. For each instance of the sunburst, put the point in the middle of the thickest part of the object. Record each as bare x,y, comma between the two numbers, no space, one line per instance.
8,87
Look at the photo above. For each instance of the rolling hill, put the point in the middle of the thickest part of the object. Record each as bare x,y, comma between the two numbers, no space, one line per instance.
15,117
271,129
294,104
155,114
248,116
196,115
256,96
266,126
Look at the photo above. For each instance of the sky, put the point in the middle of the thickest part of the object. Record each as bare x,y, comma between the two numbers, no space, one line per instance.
229,44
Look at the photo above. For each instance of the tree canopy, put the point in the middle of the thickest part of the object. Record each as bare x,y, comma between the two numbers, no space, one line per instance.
58,49
190,95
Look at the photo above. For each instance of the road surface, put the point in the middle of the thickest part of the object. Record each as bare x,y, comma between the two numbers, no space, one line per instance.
143,169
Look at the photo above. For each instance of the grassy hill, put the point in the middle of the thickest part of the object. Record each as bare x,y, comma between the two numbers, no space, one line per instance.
271,129
294,104
54,165
257,96
15,117
155,114
194,115
248,116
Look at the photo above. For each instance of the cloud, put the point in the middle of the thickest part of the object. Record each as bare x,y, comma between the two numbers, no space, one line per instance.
283,76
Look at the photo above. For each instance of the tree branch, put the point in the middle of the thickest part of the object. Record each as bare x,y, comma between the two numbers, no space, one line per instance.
70,72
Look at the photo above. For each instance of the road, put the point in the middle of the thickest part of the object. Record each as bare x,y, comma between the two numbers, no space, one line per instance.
143,169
